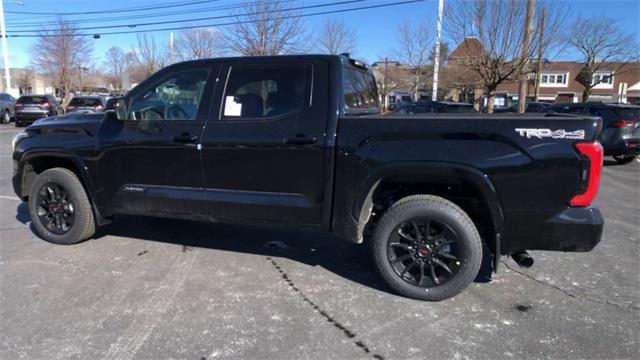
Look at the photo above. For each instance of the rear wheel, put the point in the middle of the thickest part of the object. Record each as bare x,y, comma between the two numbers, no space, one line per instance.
624,159
426,247
60,209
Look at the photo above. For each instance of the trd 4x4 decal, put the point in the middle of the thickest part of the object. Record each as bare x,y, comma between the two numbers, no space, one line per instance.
548,133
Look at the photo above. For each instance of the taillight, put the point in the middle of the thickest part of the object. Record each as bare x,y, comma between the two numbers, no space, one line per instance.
45,104
70,107
624,123
98,107
590,169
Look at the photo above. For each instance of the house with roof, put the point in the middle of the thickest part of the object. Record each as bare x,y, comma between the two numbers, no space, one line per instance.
616,82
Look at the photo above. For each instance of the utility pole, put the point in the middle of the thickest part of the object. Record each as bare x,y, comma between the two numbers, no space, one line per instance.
543,15
171,47
436,60
526,46
5,51
384,85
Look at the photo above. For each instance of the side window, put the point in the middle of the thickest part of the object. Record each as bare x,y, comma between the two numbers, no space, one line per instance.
174,98
257,92
360,92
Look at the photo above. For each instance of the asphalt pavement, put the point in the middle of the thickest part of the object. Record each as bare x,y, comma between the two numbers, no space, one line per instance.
147,288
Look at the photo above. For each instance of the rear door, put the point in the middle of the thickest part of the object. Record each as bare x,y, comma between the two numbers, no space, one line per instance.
263,152
150,162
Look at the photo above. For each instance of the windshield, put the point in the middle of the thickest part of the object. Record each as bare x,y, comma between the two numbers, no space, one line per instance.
89,102
32,100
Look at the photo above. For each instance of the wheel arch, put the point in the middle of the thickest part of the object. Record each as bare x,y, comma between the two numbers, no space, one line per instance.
460,183
35,162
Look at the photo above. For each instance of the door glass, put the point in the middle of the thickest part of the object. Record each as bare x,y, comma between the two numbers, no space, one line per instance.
262,92
175,98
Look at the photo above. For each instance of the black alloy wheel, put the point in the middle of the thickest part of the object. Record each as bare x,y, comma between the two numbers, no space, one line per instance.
55,209
424,252
426,247
60,209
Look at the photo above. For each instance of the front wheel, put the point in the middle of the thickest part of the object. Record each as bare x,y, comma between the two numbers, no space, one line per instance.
60,209
623,159
426,247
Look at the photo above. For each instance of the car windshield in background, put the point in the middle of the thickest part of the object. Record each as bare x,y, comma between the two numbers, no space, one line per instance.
32,100
82,102
628,114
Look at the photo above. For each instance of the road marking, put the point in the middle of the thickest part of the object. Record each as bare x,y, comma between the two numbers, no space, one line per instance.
5,197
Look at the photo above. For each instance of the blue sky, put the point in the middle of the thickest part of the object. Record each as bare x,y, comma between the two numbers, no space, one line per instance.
375,28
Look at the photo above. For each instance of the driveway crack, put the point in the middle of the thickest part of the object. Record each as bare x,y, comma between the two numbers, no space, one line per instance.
570,293
330,319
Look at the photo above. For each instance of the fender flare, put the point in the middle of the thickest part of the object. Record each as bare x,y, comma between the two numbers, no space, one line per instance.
442,172
81,168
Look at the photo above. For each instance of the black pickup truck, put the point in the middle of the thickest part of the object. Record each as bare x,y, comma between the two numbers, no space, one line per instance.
298,141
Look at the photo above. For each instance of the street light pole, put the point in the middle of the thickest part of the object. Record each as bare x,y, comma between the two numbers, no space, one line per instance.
436,60
5,53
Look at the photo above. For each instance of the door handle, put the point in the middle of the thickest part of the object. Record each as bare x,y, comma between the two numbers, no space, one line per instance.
186,138
300,139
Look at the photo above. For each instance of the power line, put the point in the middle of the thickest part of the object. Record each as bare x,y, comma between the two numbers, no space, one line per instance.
229,23
151,15
337,3
137,8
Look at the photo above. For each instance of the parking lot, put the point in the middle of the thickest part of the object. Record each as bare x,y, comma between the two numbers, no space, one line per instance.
147,288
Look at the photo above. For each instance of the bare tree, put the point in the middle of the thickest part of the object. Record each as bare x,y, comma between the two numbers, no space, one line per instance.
115,63
603,46
414,48
199,43
60,53
147,57
498,27
267,27
336,37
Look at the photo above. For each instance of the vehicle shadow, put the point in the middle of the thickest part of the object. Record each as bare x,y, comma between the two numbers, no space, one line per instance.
310,247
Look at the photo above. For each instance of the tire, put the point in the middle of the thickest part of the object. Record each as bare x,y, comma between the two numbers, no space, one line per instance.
77,205
433,210
623,159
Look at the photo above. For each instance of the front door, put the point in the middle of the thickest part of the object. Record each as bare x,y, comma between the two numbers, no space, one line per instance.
150,162
263,147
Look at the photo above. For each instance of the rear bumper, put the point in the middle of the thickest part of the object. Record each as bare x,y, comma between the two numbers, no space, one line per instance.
617,142
28,118
575,229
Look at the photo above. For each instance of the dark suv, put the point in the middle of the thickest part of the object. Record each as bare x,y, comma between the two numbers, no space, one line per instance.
620,135
30,108
87,104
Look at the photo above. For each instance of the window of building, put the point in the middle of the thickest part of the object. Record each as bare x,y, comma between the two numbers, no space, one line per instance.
602,78
554,79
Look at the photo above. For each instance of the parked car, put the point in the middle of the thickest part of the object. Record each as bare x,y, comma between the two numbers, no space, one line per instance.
86,104
29,108
621,127
532,107
299,141
436,107
7,103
